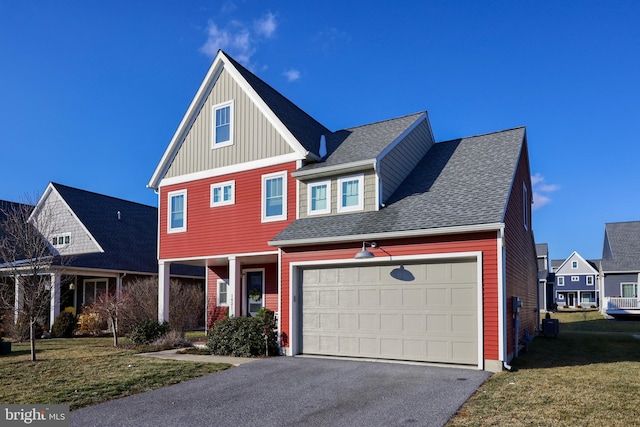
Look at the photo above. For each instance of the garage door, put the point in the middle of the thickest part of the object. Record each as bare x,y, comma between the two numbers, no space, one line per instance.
418,312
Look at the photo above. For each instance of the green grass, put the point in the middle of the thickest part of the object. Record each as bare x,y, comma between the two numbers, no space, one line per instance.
588,375
86,371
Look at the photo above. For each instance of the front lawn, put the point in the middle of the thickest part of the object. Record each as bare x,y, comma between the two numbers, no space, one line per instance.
588,375
86,371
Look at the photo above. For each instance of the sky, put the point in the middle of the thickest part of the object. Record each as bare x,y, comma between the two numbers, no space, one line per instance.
91,92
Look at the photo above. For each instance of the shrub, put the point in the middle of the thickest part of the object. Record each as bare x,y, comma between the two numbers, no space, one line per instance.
20,331
148,331
172,339
64,325
243,336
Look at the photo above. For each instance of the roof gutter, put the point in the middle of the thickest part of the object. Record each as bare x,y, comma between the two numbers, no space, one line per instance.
331,170
390,235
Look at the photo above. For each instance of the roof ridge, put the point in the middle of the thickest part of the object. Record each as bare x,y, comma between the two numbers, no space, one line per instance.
57,185
383,121
485,134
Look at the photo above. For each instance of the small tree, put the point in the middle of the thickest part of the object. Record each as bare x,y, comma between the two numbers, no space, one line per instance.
114,310
27,256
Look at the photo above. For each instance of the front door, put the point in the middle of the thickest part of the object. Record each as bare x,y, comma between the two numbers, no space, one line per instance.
571,299
255,291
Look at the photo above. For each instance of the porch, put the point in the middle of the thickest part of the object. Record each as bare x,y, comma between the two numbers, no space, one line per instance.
622,305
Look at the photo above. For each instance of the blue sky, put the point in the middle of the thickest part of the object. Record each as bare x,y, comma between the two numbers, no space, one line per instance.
91,92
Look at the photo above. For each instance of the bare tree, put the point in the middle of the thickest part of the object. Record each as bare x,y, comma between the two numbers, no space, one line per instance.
114,309
27,256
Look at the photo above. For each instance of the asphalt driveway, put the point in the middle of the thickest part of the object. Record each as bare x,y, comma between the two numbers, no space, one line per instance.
298,391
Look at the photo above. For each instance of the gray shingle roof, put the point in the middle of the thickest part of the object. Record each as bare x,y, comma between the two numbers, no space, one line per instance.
363,142
304,128
542,249
624,243
457,183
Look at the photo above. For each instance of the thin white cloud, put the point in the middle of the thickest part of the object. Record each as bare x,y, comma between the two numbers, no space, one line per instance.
237,38
266,26
541,191
292,74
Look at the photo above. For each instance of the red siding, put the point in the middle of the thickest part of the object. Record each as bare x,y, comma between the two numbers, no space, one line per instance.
484,242
229,229
520,257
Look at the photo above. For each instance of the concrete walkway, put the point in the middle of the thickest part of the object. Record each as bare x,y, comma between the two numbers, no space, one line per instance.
202,358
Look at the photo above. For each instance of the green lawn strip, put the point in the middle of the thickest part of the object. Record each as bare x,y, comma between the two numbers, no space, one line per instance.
577,378
86,371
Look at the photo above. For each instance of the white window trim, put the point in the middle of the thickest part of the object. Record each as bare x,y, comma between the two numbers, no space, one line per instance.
561,281
265,178
221,185
574,263
575,278
590,278
310,187
360,205
629,283
582,295
213,125
62,236
561,297
184,222
219,283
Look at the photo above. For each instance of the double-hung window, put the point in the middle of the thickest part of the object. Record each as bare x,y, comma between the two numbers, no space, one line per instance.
589,280
177,203
319,198
223,193
223,124
223,296
574,265
351,193
274,197
560,281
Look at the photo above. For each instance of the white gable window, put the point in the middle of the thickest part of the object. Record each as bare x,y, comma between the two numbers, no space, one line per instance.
61,240
589,280
574,265
223,295
560,281
177,210
223,193
274,197
223,124
351,193
319,198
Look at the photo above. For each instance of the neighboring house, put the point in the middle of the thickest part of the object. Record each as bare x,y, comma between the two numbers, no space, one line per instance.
109,242
276,206
621,268
577,282
545,278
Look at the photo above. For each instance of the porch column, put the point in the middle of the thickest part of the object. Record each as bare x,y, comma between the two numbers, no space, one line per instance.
18,300
163,291
235,287
55,298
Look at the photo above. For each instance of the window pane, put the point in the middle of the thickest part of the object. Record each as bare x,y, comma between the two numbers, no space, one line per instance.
629,290
350,193
222,292
223,124
274,197
216,194
227,193
318,197
177,211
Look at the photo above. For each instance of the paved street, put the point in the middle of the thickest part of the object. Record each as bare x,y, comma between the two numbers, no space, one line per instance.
298,391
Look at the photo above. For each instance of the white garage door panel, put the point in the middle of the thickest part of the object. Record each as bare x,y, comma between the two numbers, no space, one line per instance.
367,312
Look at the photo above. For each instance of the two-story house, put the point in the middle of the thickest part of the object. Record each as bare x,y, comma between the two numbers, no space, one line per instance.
373,241
577,282
546,278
